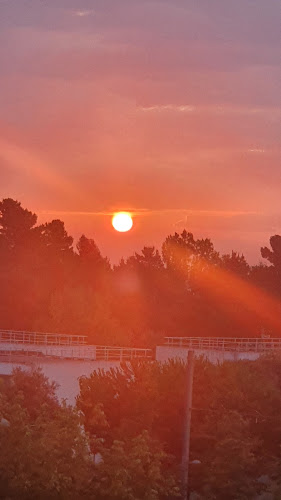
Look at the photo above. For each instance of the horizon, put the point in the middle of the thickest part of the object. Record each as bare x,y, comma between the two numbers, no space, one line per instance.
171,109
98,227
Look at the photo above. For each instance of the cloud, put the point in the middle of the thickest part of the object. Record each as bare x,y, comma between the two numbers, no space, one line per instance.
83,13
215,109
136,211
169,104
182,108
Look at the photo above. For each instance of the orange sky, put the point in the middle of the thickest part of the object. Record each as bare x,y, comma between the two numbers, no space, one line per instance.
169,108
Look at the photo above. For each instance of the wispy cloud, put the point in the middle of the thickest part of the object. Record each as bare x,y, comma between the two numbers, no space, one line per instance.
83,13
217,109
148,211
182,108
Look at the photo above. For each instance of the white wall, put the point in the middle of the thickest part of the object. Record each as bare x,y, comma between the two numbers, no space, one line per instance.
64,372
163,353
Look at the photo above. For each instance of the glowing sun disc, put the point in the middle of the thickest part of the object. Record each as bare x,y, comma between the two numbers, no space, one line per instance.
122,222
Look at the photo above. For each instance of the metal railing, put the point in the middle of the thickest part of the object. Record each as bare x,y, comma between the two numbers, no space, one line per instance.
39,338
52,345
122,353
48,351
226,344
92,353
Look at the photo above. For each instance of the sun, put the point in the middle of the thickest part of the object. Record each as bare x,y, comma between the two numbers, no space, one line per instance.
122,222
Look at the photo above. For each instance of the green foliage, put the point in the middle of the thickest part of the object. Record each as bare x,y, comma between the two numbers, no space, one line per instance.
48,455
133,418
133,470
33,396
236,424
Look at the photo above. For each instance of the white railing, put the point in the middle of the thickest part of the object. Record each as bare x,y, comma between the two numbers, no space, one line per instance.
122,353
36,344
51,351
39,338
225,343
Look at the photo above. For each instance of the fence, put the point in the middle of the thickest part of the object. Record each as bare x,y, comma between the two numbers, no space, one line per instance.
122,353
21,344
226,344
39,338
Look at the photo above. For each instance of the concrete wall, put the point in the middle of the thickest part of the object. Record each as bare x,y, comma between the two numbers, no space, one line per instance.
164,353
64,372
61,351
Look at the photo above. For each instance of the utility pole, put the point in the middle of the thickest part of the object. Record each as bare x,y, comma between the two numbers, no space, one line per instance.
187,424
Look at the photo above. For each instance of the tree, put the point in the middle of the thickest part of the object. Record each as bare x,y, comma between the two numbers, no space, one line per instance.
33,390
89,252
136,470
188,289
273,255
271,276
55,239
16,223
139,285
48,454
235,423
79,309
92,269
149,259
184,255
19,262
236,263
231,469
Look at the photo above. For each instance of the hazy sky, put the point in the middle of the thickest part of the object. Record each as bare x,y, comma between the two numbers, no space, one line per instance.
170,108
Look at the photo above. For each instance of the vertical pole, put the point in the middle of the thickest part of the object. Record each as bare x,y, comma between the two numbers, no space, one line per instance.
187,423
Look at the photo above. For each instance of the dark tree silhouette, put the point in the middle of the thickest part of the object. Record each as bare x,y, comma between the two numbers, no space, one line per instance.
16,223
273,255
236,264
183,254
48,284
90,254
55,238
149,258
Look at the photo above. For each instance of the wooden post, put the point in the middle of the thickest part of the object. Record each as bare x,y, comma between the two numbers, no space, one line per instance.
187,424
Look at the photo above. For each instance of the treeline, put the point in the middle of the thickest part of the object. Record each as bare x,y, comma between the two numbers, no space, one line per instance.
48,284
123,440
235,450
46,453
